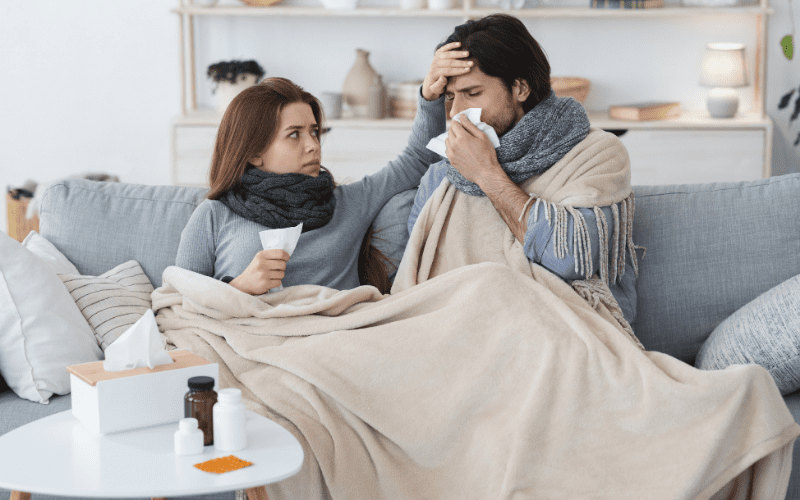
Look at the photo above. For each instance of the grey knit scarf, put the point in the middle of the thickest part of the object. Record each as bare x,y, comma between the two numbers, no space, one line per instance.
542,137
282,200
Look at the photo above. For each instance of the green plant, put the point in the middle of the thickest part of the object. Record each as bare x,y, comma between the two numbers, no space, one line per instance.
233,71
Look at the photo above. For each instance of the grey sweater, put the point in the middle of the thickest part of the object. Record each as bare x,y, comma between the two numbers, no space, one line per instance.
217,242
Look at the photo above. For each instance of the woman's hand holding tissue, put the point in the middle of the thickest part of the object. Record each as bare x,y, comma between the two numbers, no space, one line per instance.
264,273
472,153
447,62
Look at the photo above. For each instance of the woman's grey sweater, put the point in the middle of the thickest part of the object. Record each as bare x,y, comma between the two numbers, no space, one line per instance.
217,242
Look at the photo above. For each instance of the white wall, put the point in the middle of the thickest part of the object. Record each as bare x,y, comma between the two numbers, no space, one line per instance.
91,86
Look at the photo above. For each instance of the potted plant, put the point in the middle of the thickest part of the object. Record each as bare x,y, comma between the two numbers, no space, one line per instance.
231,77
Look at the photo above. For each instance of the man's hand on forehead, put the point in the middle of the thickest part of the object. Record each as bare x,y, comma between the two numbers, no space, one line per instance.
448,61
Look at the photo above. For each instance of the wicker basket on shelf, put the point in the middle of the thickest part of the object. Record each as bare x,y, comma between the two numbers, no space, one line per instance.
571,86
260,3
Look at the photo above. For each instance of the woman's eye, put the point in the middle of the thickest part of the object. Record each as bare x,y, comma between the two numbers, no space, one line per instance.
315,133
294,135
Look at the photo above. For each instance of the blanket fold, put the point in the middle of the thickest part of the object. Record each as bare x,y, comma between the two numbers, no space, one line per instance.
484,376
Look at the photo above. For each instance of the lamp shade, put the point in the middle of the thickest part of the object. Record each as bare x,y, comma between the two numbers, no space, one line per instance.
723,65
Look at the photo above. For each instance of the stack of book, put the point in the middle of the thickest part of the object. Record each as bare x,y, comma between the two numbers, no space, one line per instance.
627,4
643,111
403,99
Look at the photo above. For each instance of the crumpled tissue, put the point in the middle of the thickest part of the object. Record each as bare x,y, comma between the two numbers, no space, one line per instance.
139,346
437,144
284,239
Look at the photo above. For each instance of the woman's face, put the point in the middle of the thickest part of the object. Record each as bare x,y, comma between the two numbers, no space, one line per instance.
295,148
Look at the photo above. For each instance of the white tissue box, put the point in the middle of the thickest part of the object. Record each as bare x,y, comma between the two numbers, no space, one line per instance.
107,402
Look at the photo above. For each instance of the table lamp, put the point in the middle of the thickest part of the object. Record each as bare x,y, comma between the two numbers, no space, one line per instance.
723,68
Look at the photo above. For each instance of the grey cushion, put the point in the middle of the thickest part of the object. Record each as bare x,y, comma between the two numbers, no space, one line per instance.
99,225
711,248
766,331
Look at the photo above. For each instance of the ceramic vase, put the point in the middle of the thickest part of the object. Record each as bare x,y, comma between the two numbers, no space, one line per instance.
355,91
226,91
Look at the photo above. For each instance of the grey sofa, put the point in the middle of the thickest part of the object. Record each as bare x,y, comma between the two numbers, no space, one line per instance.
710,249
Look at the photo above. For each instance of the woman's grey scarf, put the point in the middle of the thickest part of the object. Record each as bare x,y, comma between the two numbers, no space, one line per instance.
282,200
542,137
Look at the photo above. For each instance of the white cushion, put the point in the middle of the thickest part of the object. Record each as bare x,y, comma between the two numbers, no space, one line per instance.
113,301
49,254
41,329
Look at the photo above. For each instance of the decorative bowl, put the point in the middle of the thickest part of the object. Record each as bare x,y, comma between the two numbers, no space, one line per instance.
571,86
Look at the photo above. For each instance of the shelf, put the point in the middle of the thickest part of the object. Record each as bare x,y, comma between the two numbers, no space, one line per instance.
473,13
690,119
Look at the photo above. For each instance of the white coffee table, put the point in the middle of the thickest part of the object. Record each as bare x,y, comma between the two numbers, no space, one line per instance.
57,455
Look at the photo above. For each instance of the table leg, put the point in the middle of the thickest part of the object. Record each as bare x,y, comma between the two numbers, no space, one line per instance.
18,495
259,493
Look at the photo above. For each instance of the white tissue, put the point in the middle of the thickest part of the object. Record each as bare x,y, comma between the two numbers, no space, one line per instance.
284,239
437,144
138,347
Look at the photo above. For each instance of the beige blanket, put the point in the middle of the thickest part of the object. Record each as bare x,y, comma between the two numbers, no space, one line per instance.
479,382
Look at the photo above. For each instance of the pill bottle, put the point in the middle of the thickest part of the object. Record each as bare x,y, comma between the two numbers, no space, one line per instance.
199,403
230,433
188,438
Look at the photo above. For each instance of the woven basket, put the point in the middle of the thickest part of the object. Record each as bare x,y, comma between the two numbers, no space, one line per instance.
260,3
571,86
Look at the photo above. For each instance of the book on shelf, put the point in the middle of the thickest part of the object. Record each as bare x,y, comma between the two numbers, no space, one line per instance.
627,4
642,111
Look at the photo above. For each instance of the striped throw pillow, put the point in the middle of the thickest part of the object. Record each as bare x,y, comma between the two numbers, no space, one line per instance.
113,301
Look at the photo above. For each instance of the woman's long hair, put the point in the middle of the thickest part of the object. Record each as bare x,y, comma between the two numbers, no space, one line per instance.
248,127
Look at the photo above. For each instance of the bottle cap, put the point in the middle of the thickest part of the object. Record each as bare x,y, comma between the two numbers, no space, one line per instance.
231,395
187,424
202,383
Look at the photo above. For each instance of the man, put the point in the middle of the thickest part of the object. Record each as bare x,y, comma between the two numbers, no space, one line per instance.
510,82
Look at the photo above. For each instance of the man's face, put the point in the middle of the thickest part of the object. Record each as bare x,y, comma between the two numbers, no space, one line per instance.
502,109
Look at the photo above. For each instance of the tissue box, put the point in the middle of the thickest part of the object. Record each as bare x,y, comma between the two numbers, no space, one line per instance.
107,402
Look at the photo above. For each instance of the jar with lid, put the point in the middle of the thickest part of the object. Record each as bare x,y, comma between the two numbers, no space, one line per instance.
230,432
199,403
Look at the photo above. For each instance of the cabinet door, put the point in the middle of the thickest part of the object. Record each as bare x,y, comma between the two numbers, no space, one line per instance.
352,153
694,156
193,147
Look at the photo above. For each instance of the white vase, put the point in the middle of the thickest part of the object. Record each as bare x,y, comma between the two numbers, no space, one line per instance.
226,91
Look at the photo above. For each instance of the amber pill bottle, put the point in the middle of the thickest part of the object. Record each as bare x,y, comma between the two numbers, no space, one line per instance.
199,403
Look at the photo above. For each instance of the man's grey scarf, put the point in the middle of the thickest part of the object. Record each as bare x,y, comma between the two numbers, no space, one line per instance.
542,137
282,200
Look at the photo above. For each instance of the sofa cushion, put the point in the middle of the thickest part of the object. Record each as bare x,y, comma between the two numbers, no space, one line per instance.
766,331
711,248
111,302
100,225
48,253
41,329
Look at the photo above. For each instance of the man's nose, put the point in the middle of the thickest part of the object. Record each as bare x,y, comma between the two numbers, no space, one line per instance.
455,107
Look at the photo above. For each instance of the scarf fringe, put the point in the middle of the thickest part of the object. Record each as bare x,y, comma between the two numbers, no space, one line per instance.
595,291
612,267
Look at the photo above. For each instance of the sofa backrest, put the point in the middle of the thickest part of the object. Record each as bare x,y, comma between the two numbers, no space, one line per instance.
99,225
711,248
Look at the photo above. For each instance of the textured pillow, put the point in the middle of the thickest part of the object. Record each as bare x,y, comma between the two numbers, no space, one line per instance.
765,331
112,301
49,254
41,330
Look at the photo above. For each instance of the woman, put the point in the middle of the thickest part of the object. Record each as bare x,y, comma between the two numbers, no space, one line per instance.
266,173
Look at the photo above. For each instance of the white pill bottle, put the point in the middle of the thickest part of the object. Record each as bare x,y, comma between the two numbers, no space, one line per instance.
230,432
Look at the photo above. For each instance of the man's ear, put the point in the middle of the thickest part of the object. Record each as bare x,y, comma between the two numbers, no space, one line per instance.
521,90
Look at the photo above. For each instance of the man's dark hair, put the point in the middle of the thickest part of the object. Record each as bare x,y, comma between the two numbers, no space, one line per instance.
503,47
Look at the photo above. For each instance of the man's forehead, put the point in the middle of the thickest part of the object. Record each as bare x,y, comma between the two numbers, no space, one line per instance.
474,78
